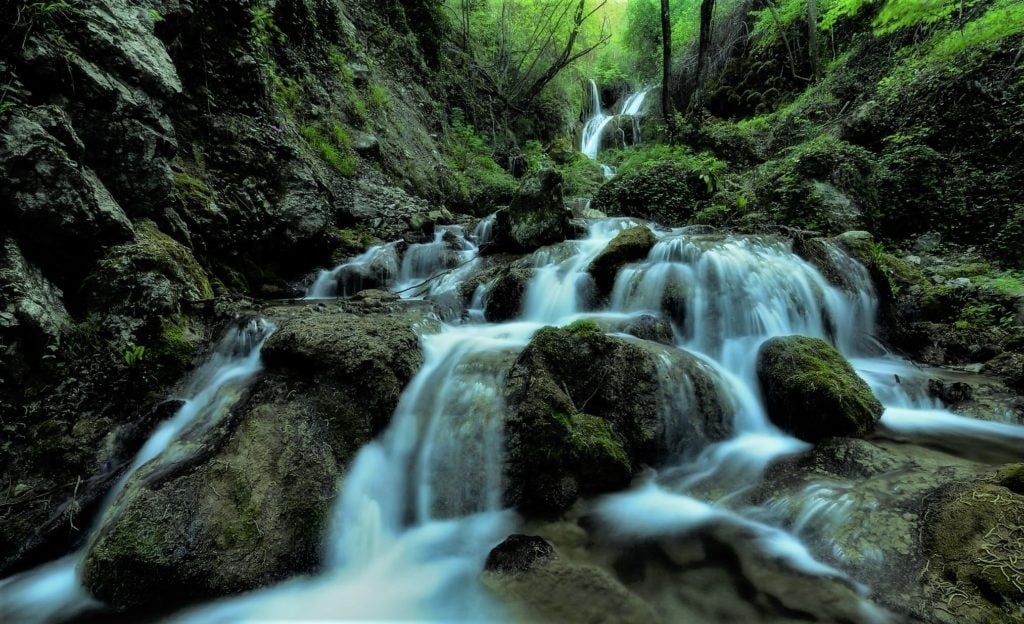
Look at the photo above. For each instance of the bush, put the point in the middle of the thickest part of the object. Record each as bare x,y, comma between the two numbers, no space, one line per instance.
336,151
478,185
664,184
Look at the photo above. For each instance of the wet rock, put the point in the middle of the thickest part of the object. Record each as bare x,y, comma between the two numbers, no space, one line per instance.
652,328
1009,367
950,392
251,516
153,271
245,500
586,409
33,311
371,355
59,211
973,543
812,392
631,245
536,217
519,553
506,296
561,591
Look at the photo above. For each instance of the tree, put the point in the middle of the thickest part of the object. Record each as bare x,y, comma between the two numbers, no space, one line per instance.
707,11
515,48
666,65
812,38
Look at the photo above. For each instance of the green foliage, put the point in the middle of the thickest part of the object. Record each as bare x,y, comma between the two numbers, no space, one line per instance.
378,100
134,355
662,183
581,176
336,150
480,184
155,15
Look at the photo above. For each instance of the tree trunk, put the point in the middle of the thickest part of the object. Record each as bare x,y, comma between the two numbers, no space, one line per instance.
812,38
707,11
666,66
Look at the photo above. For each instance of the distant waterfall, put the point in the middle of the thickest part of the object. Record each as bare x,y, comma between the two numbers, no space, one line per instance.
593,129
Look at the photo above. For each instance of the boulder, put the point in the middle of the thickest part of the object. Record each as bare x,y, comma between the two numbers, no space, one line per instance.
630,245
59,211
812,392
536,217
519,553
584,410
370,356
506,295
244,500
563,591
153,271
252,515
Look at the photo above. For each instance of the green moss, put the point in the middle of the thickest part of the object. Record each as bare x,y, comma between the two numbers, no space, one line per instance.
663,184
176,344
350,242
590,441
583,327
582,176
812,391
192,191
335,150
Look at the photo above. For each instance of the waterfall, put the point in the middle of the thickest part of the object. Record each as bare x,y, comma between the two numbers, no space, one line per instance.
594,127
420,507
54,591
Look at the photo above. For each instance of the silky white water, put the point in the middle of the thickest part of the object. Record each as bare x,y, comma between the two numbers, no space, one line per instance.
54,591
420,508
594,127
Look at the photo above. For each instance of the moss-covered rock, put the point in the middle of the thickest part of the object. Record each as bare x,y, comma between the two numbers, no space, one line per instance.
668,190
506,295
154,271
812,392
630,245
242,500
372,356
537,216
585,410
252,516
973,541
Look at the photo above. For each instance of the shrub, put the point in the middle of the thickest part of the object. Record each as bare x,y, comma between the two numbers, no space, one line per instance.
668,185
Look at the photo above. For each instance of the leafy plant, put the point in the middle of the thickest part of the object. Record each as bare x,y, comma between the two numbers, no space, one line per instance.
134,355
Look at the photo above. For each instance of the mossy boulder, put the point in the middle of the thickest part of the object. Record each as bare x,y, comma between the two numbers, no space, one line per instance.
253,515
585,410
537,216
630,245
812,392
667,191
826,185
973,540
243,498
372,356
506,295
154,271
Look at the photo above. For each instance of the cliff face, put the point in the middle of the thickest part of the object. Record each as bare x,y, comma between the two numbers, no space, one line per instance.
155,154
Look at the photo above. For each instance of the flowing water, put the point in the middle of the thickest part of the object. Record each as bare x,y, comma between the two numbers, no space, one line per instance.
420,508
594,127
54,591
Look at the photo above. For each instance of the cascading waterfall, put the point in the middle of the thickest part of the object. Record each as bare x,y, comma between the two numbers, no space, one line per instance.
55,591
593,129
420,508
